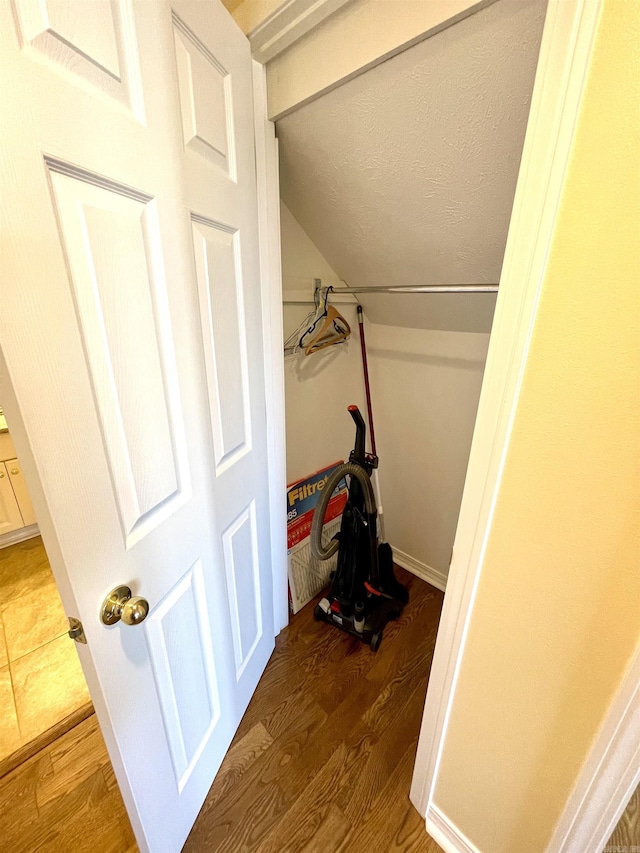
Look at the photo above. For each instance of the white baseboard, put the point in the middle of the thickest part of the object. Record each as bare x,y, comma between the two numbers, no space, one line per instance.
19,535
421,570
446,834
608,777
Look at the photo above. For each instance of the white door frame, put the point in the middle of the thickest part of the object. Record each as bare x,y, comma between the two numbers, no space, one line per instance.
565,53
273,337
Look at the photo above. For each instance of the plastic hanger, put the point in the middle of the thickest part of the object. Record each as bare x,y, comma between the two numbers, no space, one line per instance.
333,330
323,327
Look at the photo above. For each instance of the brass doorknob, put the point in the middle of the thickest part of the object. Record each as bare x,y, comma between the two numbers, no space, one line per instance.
120,604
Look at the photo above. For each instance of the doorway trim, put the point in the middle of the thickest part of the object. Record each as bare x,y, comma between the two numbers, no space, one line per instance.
565,53
266,147
608,777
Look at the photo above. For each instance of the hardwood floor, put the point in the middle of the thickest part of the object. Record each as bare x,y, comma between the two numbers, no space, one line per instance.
625,838
65,799
323,758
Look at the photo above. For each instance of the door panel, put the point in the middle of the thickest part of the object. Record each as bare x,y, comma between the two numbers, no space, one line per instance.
243,584
217,252
95,41
205,92
131,330
180,646
111,235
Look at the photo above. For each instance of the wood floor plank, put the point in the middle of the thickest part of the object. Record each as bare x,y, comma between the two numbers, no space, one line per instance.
83,820
238,760
109,777
242,826
396,711
383,760
292,709
65,798
302,821
220,825
411,837
18,804
378,828
626,835
331,834
74,759
283,677
354,662
340,724
344,724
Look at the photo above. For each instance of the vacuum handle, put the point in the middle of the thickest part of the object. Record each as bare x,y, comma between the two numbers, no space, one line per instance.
358,454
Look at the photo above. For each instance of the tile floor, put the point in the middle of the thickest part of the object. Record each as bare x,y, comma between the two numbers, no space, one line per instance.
41,681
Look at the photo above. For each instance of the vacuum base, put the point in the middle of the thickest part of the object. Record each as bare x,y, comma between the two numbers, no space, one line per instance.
328,609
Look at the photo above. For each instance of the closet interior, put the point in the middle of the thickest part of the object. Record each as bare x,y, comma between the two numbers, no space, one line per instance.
398,182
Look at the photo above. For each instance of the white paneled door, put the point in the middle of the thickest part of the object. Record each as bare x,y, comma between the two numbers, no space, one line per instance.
130,325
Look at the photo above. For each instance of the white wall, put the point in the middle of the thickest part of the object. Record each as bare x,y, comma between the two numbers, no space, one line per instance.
318,388
360,35
301,261
425,389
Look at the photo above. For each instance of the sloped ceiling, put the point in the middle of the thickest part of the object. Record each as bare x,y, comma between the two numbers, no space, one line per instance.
407,173
231,5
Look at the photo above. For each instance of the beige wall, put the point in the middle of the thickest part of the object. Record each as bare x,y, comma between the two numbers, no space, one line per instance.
356,37
555,621
301,261
231,5
249,14
425,387
353,39
318,388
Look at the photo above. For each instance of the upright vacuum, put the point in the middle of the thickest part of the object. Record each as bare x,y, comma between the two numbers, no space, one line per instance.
365,594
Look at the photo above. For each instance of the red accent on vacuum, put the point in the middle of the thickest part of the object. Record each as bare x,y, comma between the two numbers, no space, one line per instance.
363,348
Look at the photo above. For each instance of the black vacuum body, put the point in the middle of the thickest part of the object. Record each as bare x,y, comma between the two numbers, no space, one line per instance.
364,594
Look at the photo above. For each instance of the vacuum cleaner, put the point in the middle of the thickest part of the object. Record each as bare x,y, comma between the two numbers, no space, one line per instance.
365,594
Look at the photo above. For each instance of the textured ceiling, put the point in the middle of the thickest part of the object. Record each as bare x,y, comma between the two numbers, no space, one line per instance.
406,174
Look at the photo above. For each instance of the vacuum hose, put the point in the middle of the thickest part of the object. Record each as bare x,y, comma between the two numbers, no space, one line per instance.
317,548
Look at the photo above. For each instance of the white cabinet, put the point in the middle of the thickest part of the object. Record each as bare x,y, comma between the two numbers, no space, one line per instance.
17,518
10,515
20,491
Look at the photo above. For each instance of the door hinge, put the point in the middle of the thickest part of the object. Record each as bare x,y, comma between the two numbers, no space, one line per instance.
76,631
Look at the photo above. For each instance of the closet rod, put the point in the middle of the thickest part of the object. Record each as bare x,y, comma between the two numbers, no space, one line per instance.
419,288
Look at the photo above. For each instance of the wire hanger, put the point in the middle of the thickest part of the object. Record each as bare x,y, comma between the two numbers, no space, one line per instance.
322,328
